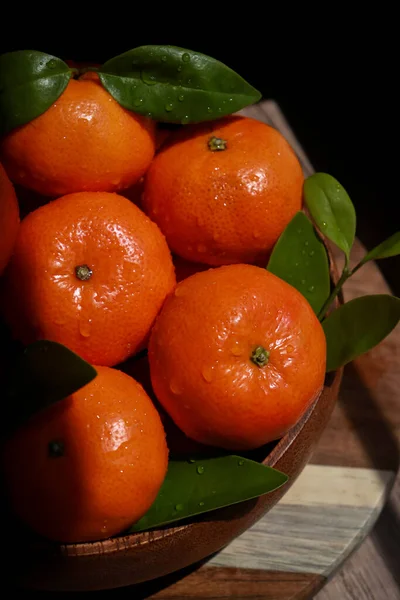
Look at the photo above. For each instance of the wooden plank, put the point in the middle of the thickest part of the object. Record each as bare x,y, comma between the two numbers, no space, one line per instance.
213,584
373,571
315,526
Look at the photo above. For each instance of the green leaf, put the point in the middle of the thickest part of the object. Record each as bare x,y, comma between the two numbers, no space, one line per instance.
30,82
331,209
175,85
300,258
357,326
195,487
44,373
390,247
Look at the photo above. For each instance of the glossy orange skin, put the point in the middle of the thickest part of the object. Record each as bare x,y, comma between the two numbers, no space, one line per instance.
107,318
200,349
114,461
84,141
9,218
226,206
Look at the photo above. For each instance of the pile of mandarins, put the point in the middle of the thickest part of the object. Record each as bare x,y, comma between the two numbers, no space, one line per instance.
112,219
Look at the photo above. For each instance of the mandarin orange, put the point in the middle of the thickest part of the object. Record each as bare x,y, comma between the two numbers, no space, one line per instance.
236,356
84,141
9,218
90,271
90,465
222,192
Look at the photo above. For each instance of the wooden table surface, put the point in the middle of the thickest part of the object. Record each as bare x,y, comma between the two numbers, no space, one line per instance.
310,542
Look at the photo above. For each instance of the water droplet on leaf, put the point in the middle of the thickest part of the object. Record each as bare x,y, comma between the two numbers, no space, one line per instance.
179,507
311,253
181,97
148,78
200,470
185,57
168,107
201,503
241,462
52,63
311,288
164,58
191,460
138,102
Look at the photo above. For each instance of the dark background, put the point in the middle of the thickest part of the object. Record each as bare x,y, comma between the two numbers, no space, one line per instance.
335,86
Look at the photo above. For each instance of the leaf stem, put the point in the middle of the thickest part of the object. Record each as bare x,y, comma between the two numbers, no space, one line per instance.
346,273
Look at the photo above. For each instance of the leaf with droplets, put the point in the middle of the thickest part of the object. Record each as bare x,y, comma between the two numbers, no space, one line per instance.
175,85
331,209
300,258
358,326
43,373
195,487
30,82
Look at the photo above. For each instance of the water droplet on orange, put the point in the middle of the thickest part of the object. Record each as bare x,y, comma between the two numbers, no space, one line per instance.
85,328
236,349
290,348
207,373
178,291
175,387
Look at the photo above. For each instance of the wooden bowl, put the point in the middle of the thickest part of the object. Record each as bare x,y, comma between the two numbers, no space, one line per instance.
135,558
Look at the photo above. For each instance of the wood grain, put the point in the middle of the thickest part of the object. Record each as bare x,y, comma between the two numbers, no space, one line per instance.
210,584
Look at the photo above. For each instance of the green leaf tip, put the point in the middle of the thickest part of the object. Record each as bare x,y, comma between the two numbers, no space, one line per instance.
193,487
175,85
386,249
44,373
331,209
358,326
299,257
30,82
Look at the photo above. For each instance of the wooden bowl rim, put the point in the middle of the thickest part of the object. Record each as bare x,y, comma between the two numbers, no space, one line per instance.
123,542
130,540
